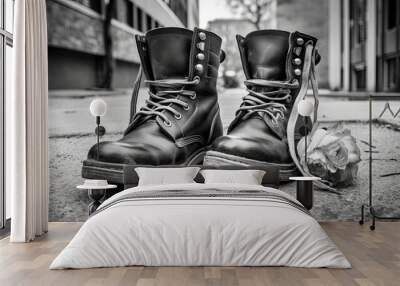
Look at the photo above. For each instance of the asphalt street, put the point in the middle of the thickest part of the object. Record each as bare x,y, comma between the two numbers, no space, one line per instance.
70,116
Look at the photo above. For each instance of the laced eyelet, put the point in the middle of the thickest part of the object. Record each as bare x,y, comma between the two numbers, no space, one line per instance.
289,99
193,96
168,123
187,107
197,78
179,116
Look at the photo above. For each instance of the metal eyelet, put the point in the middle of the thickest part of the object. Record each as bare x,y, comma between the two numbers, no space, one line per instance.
200,56
201,46
300,41
193,96
178,117
297,51
168,123
199,68
297,61
202,36
289,99
197,78
187,107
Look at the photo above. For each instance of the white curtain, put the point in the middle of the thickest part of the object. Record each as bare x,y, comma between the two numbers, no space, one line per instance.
26,117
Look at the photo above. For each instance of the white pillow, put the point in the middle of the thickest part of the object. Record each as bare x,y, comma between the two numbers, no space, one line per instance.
247,177
166,176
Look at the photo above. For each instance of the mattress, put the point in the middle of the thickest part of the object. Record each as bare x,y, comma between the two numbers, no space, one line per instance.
201,225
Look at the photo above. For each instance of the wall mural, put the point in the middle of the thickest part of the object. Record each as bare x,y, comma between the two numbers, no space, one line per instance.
223,116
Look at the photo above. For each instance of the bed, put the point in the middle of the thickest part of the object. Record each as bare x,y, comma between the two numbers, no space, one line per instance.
201,224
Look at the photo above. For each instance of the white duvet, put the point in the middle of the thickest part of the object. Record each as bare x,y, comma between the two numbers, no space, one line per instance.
183,231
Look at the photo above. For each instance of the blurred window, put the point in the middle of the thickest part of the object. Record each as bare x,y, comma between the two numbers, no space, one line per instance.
129,13
139,19
358,19
391,70
360,79
92,4
123,12
179,7
362,27
148,22
6,64
391,13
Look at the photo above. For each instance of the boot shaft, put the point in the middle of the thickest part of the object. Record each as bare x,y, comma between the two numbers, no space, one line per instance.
177,53
181,67
275,63
274,54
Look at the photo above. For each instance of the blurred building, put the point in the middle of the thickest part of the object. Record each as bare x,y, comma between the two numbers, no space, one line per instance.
365,45
359,40
290,15
227,30
76,44
310,17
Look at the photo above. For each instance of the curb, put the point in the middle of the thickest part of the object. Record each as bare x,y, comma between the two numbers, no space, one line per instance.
356,95
78,93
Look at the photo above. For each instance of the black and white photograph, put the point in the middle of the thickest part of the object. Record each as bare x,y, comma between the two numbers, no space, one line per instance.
199,142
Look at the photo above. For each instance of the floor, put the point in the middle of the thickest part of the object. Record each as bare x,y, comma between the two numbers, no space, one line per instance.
375,256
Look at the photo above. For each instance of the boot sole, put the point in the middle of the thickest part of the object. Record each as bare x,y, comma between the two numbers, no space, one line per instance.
218,159
120,173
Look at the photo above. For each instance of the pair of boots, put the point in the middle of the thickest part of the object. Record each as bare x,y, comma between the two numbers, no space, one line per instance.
180,123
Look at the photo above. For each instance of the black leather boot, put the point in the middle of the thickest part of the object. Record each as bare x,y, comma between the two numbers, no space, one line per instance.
278,66
181,117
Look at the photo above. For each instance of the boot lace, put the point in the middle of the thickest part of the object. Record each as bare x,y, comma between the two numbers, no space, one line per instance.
270,102
166,99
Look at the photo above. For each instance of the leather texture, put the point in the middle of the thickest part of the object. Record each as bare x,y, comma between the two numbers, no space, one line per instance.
267,55
169,54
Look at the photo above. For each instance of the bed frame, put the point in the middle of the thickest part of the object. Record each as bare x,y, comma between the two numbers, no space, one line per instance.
127,176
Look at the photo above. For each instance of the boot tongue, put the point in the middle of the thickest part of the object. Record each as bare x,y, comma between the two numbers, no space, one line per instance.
169,52
266,52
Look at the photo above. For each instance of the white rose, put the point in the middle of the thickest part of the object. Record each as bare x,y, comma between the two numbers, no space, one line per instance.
332,155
